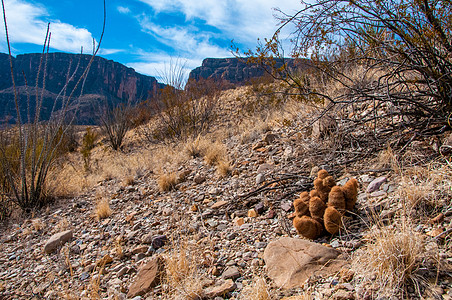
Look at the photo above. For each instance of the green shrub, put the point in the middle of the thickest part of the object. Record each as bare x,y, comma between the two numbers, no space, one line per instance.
88,143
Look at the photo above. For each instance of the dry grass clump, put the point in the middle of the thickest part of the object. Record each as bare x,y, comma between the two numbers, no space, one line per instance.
118,247
196,147
167,182
224,168
129,180
62,225
387,159
257,290
251,129
69,178
215,154
426,189
182,278
37,224
103,209
388,263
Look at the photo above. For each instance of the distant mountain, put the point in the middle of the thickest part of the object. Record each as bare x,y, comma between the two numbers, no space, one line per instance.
107,81
234,70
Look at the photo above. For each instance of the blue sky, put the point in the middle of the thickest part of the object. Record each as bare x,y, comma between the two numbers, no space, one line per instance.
143,34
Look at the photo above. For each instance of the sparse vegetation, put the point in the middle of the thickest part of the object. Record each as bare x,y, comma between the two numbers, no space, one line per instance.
29,149
257,290
184,191
223,168
88,143
215,153
389,262
184,109
167,182
182,278
103,209
116,122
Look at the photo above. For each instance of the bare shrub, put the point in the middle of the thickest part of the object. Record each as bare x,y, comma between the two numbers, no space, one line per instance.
88,143
182,109
389,63
115,122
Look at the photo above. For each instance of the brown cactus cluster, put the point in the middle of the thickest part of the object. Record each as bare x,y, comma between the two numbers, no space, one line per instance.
323,207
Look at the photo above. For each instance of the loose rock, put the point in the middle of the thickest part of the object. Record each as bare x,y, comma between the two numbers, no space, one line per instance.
291,261
57,240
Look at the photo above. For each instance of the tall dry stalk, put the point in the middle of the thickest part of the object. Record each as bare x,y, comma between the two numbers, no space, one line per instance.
28,150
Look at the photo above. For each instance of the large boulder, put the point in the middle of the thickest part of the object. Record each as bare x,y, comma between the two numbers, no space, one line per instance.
148,277
290,261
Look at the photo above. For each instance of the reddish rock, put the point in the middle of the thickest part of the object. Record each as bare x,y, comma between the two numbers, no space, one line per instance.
220,289
219,204
148,277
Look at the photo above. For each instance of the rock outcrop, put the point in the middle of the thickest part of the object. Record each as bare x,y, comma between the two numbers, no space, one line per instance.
106,81
234,70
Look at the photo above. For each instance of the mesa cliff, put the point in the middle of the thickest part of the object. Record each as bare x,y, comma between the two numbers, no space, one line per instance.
107,81
237,70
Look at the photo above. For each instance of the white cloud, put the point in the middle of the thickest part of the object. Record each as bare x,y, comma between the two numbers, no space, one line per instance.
160,65
190,46
183,39
243,20
27,23
103,51
123,10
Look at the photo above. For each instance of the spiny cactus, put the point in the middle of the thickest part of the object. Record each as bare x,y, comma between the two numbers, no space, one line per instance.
336,198
322,208
332,220
323,184
307,227
317,208
350,190
301,205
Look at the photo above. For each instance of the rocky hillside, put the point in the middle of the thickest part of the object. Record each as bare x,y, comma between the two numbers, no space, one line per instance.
107,81
211,218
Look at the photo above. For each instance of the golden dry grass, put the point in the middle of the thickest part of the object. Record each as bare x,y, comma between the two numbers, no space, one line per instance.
37,224
167,182
425,190
182,277
215,153
62,225
129,180
224,168
103,209
390,259
118,247
387,159
196,147
257,290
